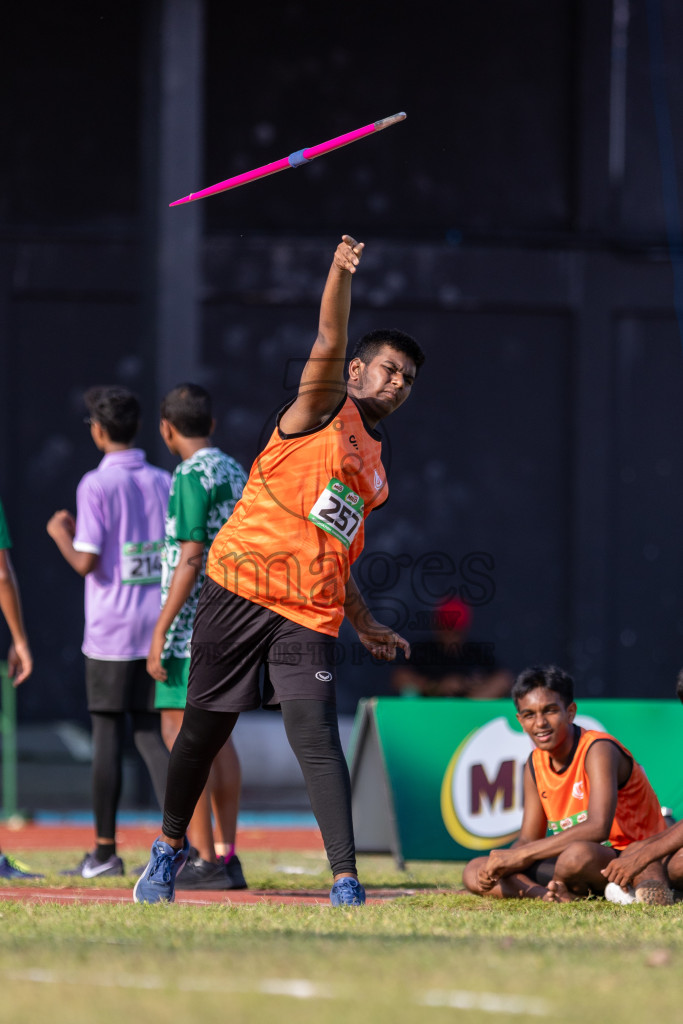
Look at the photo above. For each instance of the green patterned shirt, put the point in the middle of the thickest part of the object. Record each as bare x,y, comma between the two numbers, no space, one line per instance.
204,490
5,542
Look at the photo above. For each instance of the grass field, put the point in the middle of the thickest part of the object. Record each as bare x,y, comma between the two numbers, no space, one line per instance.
431,957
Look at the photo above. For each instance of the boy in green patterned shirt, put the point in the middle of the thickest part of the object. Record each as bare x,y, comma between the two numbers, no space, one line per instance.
19,658
205,488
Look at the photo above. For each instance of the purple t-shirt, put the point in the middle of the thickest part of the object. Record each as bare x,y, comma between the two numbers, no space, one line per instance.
120,509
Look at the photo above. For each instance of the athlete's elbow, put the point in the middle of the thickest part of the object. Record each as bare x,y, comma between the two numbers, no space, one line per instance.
598,832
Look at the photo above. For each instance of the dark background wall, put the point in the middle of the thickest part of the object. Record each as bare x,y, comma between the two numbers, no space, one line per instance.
523,223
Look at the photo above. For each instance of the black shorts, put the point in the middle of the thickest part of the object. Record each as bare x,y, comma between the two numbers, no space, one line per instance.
233,637
541,871
116,686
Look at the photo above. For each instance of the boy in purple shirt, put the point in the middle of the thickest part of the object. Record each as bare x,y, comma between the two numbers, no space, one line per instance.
115,543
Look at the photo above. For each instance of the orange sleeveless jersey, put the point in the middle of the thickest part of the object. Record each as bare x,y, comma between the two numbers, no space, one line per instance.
565,796
270,551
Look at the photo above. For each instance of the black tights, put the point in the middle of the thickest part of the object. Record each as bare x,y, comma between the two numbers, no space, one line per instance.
108,732
313,734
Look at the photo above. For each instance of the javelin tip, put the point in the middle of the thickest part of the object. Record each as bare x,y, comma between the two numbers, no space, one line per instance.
393,119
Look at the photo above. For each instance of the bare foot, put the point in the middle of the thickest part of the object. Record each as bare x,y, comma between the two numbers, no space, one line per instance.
558,893
534,892
520,888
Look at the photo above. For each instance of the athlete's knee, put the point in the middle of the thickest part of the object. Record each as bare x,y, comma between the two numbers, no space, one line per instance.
574,861
203,733
312,725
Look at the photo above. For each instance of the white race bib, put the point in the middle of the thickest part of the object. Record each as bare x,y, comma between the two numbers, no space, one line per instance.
338,511
141,562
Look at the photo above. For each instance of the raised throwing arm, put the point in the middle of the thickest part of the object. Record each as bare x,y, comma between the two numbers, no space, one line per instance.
323,384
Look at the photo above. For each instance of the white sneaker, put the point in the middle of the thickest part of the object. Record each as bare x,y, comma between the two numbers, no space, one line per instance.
615,894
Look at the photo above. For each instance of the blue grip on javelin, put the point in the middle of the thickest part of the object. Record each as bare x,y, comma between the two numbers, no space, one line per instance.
297,159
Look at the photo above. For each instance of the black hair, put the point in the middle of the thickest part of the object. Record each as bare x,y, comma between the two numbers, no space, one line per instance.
549,676
116,409
679,686
369,345
188,408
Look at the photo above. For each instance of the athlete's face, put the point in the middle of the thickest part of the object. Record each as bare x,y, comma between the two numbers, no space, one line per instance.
544,718
386,381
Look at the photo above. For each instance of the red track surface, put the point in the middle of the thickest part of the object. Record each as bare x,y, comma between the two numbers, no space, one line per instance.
28,894
80,838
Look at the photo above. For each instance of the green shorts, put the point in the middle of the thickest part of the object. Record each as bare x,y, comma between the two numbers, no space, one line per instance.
172,692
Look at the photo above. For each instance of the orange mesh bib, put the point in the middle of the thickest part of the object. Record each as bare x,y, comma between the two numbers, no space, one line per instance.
565,795
271,552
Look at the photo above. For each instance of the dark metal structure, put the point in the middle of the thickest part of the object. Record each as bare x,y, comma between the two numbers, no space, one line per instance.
523,224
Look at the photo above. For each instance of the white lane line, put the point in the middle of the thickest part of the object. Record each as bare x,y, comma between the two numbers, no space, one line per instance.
52,978
298,988
489,1002
293,988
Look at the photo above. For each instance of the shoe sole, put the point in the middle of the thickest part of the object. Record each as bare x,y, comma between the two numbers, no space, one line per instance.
19,876
653,893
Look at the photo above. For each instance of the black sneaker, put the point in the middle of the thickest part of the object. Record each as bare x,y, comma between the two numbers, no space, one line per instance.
91,867
202,874
233,872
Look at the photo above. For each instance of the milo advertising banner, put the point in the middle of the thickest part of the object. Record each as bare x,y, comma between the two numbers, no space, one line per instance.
442,779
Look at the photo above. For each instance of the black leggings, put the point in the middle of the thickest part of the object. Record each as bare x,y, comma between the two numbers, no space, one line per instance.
313,734
108,732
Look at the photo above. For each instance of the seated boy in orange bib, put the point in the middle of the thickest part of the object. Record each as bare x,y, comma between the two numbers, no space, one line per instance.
585,788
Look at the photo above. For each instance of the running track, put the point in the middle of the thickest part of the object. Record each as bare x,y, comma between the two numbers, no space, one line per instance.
79,838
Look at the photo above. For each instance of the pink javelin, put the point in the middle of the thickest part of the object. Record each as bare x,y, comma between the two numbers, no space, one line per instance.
302,156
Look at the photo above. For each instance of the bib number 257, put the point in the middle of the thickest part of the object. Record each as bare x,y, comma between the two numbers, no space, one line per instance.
338,511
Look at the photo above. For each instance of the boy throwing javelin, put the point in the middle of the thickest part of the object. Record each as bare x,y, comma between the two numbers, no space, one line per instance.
279,584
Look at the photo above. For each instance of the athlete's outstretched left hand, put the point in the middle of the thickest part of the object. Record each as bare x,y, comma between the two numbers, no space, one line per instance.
382,642
348,253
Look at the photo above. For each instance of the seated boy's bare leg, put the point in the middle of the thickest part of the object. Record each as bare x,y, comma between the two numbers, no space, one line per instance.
674,870
578,871
654,872
519,887
509,888
225,783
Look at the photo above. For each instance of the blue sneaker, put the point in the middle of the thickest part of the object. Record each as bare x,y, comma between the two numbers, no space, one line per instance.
11,868
157,882
347,892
